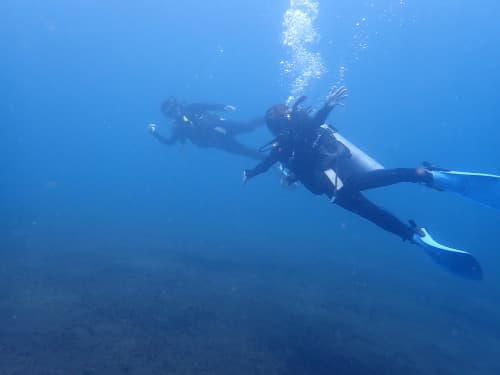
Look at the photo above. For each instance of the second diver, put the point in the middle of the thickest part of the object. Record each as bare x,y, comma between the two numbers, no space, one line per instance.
198,123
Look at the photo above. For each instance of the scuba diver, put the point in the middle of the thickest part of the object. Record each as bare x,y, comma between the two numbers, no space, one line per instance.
197,123
315,155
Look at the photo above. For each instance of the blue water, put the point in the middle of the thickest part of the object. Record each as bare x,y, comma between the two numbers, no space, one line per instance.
123,256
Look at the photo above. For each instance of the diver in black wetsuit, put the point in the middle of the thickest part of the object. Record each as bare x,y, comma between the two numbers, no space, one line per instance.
197,123
309,150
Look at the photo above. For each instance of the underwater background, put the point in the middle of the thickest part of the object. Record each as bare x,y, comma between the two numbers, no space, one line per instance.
122,256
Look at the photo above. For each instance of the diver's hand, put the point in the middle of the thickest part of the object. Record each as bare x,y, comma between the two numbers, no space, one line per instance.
152,128
245,176
336,95
229,108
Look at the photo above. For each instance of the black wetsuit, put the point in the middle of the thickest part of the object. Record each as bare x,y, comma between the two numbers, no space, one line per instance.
203,128
312,149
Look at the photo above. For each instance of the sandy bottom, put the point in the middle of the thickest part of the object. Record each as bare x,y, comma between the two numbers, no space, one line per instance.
143,311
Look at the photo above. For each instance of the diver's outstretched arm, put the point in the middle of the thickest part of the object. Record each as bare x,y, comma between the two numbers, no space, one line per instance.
169,141
334,98
262,167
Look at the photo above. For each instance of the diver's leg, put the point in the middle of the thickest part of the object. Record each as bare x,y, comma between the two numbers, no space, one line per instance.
384,177
355,202
455,261
238,127
231,145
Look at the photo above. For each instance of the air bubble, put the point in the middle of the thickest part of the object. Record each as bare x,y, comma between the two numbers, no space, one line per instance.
298,35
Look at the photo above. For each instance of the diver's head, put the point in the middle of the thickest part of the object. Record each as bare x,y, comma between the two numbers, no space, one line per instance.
170,108
282,119
279,119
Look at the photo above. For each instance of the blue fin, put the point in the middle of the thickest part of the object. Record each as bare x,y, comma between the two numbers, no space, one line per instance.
456,261
480,187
